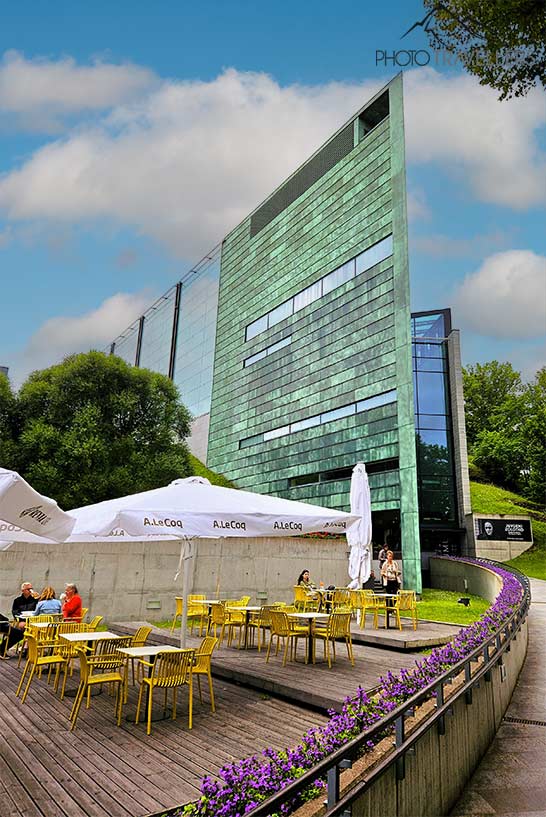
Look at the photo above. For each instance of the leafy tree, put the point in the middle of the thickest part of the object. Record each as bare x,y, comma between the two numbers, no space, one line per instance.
533,433
8,423
502,42
94,428
491,397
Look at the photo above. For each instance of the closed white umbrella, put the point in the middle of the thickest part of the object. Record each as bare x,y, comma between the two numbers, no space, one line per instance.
359,534
23,508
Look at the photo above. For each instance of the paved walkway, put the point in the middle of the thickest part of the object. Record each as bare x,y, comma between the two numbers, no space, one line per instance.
511,779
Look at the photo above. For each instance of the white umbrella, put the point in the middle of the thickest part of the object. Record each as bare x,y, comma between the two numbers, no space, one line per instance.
23,508
190,509
359,534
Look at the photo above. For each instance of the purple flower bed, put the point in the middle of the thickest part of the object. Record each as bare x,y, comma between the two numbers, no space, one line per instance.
245,784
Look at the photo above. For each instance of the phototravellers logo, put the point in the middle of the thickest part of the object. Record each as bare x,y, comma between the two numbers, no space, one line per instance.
421,57
36,513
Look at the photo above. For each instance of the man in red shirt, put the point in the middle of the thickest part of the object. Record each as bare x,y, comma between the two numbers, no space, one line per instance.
72,605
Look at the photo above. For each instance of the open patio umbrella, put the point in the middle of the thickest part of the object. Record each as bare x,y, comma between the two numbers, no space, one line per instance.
23,508
359,534
191,509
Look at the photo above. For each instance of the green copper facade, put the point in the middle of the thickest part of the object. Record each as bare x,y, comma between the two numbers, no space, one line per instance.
312,365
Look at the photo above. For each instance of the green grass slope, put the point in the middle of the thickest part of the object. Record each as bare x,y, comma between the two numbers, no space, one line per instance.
491,499
201,470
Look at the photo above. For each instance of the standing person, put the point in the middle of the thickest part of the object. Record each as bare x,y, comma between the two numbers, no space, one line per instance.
382,556
48,604
390,574
24,603
72,605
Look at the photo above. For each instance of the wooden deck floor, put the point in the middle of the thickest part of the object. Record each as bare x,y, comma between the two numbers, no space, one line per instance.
102,771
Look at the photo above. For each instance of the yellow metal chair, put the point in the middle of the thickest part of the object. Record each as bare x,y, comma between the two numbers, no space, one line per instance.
139,640
341,600
337,627
405,604
41,655
260,622
304,599
179,611
202,666
106,659
170,670
89,677
94,623
370,602
69,649
85,611
289,632
197,612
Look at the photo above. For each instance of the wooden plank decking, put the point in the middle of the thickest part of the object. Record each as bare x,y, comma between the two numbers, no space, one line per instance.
102,771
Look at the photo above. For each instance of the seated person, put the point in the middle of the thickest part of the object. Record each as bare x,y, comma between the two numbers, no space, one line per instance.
24,603
10,636
72,605
304,580
47,603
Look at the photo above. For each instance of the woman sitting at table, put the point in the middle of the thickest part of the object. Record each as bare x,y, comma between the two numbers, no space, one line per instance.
391,574
304,580
47,603
72,604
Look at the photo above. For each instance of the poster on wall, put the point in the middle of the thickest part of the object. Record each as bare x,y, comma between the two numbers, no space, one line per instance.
503,530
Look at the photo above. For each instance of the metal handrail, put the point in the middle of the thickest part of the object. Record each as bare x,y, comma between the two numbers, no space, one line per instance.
343,757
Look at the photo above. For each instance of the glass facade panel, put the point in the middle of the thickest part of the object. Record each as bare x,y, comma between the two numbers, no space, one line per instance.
432,421
309,422
280,313
256,327
337,414
429,326
126,344
279,345
307,296
157,332
277,432
194,359
379,400
373,255
248,441
338,277
254,358
430,349
431,394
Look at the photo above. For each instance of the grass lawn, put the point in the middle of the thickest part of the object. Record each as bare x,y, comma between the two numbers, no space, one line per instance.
491,499
531,563
441,605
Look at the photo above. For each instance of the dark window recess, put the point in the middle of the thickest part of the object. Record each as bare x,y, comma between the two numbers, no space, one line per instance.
336,149
374,114
342,473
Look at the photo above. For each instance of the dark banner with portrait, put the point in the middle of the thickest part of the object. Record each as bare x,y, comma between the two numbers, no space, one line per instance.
503,530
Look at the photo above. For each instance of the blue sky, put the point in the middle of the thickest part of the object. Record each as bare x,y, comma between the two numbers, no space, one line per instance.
133,136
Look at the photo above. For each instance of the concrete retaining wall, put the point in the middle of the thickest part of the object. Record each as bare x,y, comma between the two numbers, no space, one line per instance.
135,580
464,577
437,773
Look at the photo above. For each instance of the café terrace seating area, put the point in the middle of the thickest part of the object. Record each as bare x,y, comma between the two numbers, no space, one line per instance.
249,677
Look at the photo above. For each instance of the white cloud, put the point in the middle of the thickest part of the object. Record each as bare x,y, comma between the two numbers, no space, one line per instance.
505,297
185,162
418,208
455,122
38,91
67,335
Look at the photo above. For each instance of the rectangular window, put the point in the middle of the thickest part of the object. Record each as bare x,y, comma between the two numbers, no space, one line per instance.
379,400
309,422
307,296
254,358
337,414
276,432
256,327
280,313
338,277
372,256
279,345
248,441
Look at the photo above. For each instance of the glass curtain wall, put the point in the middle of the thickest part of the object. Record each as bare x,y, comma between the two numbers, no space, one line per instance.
435,470
157,333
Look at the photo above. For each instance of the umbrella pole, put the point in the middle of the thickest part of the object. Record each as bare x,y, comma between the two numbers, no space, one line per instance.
186,556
